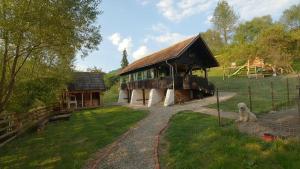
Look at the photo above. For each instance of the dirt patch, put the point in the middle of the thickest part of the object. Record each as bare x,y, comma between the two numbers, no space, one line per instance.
281,123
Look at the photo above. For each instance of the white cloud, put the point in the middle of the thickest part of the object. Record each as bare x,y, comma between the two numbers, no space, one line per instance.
208,19
159,27
126,43
121,43
115,38
183,8
253,8
176,10
140,52
163,35
169,38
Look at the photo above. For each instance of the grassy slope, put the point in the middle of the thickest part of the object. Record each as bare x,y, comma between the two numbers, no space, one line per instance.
195,141
111,95
68,144
260,89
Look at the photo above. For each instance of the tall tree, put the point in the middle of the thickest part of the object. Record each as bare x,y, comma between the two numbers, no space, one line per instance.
247,32
213,40
51,32
224,19
291,17
124,61
275,45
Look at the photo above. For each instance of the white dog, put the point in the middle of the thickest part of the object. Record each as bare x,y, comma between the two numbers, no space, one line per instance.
244,113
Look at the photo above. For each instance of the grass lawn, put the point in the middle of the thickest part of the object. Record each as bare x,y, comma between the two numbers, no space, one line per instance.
260,89
111,95
195,141
68,144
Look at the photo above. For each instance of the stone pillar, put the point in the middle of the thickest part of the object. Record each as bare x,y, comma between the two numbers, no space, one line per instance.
136,96
122,96
155,97
169,100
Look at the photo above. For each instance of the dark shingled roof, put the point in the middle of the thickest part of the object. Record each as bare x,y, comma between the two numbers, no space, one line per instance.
160,56
87,81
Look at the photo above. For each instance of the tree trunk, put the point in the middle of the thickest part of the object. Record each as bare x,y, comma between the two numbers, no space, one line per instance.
9,90
225,37
3,73
4,67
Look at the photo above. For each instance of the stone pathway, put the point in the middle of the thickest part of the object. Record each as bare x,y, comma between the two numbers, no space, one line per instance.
136,148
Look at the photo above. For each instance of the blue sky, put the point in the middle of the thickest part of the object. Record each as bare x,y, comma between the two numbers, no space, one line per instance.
145,26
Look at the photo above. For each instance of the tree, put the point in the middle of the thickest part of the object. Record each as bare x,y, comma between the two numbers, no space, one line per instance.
275,46
95,69
111,78
295,35
291,17
247,32
213,40
49,32
224,19
124,61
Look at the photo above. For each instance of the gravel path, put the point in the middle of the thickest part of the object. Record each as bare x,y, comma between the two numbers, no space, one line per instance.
136,149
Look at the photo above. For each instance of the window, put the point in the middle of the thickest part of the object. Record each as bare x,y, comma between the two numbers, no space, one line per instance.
148,74
139,76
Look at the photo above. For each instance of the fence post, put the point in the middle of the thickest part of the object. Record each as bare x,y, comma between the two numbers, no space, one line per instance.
223,72
272,94
298,99
288,91
250,97
218,105
144,100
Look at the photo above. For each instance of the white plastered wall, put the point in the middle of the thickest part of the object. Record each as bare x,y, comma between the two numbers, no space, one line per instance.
137,96
155,97
123,94
169,100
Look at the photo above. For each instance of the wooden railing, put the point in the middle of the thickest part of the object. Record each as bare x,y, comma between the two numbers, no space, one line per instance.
14,124
188,82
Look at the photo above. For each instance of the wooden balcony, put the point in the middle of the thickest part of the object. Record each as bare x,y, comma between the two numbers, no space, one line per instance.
189,82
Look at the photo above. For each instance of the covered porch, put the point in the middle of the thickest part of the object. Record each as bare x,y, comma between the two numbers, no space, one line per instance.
83,99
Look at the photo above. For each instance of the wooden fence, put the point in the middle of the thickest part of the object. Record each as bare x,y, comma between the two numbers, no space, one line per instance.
14,124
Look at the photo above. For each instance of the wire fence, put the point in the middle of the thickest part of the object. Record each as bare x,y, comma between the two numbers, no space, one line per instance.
274,100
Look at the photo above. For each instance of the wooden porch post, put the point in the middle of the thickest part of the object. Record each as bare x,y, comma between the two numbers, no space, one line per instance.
91,99
144,100
68,100
82,99
99,98
128,95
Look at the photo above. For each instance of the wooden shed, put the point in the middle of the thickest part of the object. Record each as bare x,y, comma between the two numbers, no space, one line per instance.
85,90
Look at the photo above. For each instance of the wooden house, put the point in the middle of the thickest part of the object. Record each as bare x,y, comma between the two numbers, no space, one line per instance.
85,90
167,75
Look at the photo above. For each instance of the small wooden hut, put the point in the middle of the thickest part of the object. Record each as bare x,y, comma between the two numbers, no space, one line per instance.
168,75
85,91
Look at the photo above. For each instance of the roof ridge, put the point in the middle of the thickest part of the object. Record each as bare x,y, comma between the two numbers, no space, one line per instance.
174,44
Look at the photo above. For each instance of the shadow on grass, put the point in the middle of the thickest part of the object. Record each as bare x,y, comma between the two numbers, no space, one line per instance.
67,144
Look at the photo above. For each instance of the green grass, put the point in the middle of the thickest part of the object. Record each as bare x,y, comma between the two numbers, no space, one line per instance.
111,95
260,92
296,65
68,144
195,141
